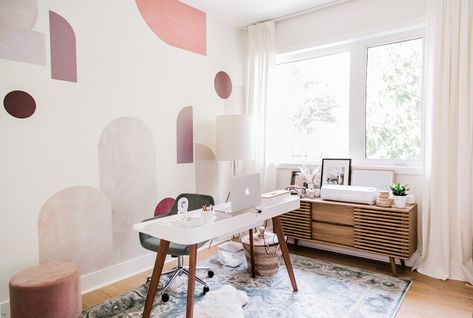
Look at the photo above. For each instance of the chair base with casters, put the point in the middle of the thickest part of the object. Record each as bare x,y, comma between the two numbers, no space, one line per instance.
191,201
179,270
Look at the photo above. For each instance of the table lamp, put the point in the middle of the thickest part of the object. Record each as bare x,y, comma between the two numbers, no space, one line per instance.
233,139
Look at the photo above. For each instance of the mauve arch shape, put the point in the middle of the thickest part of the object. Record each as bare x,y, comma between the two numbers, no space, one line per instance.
127,175
185,136
223,85
164,207
75,224
63,49
17,15
176,23
19,104
206,170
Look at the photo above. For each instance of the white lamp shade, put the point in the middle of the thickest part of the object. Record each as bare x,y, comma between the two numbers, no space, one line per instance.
233,138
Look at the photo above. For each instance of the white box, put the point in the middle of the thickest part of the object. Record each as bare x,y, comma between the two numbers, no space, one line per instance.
356,194
231,254
274,197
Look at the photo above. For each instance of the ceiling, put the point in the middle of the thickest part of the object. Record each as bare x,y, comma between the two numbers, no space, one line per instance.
245,12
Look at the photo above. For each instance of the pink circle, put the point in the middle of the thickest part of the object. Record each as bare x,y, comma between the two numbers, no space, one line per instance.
19,104
164,207
223,85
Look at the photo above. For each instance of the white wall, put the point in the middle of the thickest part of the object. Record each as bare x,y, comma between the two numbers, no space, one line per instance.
124,69
347,20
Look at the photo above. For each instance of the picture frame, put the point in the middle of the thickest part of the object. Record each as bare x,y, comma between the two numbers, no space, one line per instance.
336,171
380,179
296,179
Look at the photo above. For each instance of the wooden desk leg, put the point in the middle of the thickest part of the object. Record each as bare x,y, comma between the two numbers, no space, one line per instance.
252,254
191,280
285,252
157,270
403,263
392,260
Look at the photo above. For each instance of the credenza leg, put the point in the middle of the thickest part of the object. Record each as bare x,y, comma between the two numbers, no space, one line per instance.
191,280
285,252
157,270
403,263
392,260
252,254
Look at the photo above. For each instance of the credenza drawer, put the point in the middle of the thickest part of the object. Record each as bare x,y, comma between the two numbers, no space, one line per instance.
330,213
332,233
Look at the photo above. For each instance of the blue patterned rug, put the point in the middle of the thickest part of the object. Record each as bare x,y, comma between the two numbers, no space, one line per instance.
325,290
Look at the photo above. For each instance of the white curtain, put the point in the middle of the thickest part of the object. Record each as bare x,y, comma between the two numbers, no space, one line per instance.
447,216
261,52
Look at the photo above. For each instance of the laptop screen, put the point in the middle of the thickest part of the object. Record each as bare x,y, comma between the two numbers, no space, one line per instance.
245,192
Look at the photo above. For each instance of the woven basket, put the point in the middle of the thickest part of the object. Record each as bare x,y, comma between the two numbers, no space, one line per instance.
266,252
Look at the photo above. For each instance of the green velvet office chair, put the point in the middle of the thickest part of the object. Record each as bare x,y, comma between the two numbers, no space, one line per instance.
194,202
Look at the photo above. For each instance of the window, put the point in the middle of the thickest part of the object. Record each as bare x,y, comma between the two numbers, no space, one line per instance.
362,101
393,101
309,106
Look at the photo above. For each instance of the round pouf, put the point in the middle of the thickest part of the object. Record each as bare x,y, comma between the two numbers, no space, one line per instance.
49,290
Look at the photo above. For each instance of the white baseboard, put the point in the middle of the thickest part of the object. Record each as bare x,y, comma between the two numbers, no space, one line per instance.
117,272
5,310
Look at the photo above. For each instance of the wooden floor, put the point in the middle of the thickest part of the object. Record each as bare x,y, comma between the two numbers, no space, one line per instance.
427,297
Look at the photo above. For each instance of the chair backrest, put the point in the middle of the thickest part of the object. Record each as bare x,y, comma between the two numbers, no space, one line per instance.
196,201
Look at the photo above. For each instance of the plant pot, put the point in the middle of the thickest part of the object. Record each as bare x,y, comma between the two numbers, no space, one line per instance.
400,201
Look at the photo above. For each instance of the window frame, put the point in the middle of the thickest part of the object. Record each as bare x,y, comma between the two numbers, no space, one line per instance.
358,49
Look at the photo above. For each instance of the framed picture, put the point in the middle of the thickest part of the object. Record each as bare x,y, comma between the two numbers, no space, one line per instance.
296,178
380,179
335,171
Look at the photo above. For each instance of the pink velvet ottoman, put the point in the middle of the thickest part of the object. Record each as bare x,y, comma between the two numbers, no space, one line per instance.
49,290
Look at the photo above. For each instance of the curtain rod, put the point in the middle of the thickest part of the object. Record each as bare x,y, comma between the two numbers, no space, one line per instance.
296,14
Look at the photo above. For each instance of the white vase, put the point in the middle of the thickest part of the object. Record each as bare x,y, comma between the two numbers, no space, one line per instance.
400,201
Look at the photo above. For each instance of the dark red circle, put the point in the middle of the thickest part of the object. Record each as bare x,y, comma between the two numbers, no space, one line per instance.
164,207
223,85
19,104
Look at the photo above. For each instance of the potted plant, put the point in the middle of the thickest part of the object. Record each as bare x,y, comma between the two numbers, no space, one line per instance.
399,194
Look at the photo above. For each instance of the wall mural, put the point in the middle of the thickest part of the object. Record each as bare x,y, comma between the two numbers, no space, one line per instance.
127,171
164,206
206,171
185,136
19,104
17,15
176,23
18,40
63,49
75,224
92,227
24,46
223,85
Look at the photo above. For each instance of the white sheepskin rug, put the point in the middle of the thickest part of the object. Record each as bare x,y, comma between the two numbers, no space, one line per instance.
226,302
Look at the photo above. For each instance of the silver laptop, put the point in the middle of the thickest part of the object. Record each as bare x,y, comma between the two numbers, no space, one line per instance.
245,193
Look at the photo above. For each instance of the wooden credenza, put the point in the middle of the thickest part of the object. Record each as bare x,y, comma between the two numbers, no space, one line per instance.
389,232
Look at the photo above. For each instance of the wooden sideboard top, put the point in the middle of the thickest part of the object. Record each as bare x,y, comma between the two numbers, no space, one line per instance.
407,209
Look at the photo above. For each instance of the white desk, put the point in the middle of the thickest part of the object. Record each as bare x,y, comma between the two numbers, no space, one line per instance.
168,230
